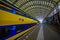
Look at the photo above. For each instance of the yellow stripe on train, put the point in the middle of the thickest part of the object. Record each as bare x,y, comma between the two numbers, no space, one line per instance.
7,18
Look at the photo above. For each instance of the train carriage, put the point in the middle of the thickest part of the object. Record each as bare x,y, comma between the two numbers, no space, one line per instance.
11,23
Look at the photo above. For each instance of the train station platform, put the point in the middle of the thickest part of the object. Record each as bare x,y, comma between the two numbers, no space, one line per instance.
48,33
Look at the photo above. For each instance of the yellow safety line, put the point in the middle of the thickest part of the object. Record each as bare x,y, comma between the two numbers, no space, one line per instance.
5,6
19,34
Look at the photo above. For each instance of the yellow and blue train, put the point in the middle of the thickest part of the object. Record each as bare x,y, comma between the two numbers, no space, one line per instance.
13,25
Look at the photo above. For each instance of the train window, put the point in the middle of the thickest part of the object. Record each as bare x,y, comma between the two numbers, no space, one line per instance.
4,32
31,25
20,28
